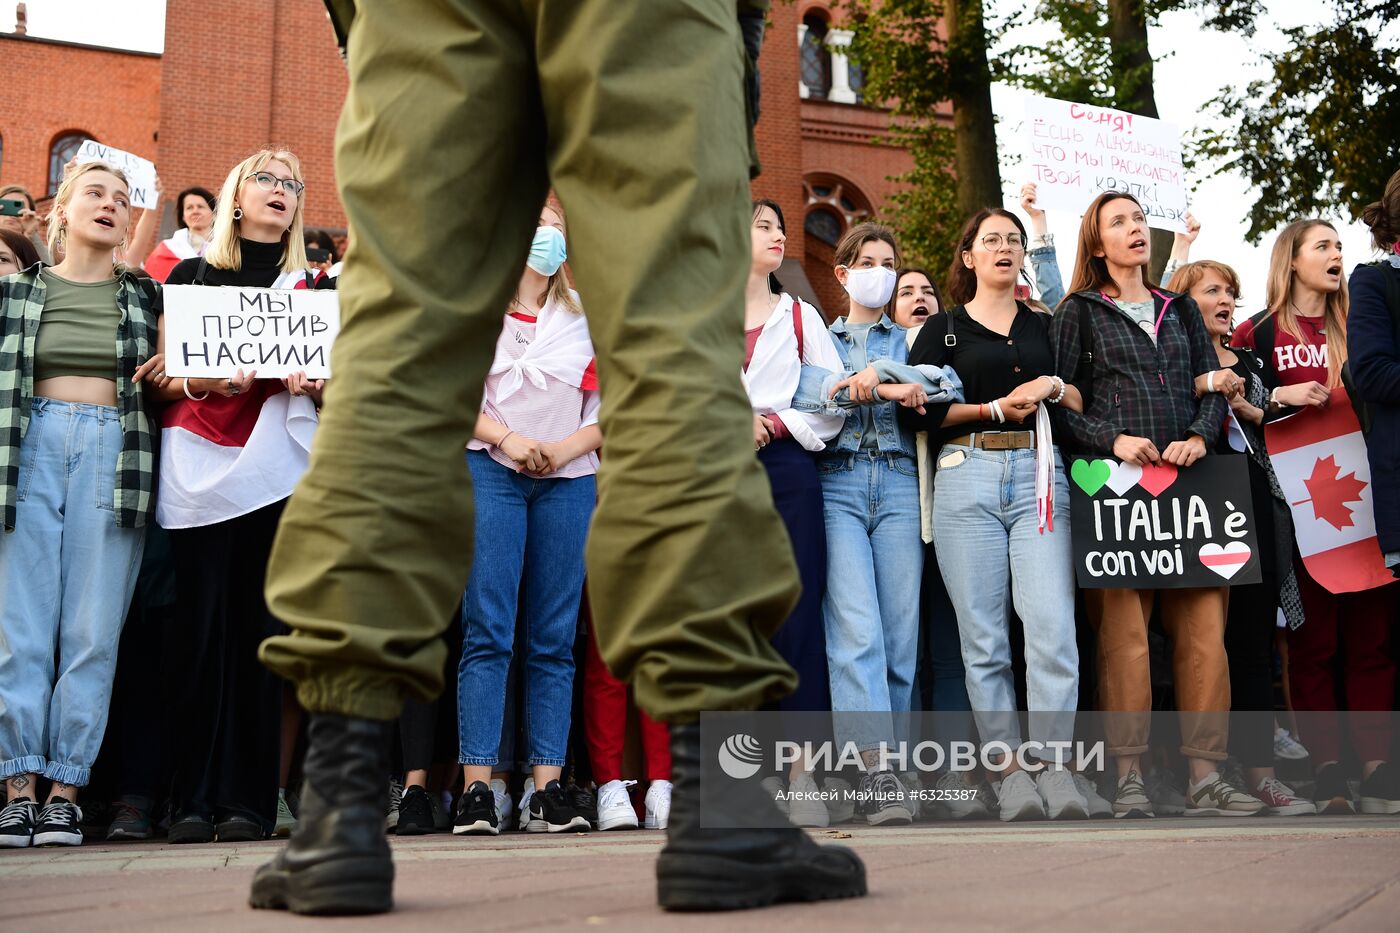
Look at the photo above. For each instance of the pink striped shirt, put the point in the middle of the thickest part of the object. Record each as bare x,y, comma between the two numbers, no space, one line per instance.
549,414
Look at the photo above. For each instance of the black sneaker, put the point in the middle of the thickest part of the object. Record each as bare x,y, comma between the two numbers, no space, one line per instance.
415,813
476,812
550,812
131,819
883,800
584,802
190,828
1331,793
58,824
1380,793
17,823
236,828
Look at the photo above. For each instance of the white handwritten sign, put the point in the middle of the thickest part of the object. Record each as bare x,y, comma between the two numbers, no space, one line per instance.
1077,152
212,332
140,173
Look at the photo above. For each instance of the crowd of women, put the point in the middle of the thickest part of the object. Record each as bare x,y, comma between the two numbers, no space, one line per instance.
913,449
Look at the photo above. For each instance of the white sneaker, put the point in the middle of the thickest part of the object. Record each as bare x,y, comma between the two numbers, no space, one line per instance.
1017,799
806,808
1287,747
525,796
1099,807
840,808
658,805
615,806
505,807
773,787
1063,801
958,798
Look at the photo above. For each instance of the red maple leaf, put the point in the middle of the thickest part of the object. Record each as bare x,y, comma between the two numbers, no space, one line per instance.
1331,493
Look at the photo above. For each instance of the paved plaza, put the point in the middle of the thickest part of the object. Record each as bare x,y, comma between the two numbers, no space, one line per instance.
1298,874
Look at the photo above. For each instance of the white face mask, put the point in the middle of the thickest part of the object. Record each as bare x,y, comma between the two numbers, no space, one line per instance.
872,287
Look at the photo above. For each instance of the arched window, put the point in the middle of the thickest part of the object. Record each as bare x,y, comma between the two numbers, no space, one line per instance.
63,149
834,205
816,60
824,225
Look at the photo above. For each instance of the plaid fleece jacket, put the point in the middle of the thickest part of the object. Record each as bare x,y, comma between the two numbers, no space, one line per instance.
1131,386
21,304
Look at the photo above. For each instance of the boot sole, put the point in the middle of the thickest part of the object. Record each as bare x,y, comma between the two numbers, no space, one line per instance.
1379,806
341,888
711,883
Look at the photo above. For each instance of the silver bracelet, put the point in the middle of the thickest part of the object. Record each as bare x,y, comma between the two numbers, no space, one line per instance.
185,384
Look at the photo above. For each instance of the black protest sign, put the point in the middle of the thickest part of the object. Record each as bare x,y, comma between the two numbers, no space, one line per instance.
1160,527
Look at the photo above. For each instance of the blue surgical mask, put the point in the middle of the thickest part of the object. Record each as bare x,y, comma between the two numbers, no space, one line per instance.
547,252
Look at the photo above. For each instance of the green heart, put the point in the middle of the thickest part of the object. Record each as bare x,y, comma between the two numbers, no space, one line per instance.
1090,475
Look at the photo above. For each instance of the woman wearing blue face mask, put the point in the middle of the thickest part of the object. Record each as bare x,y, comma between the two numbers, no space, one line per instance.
532,461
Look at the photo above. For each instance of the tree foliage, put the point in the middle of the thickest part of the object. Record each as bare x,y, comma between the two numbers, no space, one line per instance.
1321,132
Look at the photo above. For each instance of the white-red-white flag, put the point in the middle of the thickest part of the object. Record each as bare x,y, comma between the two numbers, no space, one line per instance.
1319,455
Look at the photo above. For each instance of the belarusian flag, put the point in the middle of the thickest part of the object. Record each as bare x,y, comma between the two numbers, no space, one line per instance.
1319,455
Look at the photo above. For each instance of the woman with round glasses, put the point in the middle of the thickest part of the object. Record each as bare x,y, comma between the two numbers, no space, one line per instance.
232,449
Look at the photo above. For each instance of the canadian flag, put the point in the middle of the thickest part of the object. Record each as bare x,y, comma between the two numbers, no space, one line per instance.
1319,456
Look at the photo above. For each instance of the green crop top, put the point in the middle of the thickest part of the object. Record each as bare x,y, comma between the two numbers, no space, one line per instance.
77,330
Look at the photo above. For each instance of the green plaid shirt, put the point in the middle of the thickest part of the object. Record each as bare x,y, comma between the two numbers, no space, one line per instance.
21,304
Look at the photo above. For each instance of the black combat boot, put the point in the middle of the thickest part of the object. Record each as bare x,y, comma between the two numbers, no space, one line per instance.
734,869
337,861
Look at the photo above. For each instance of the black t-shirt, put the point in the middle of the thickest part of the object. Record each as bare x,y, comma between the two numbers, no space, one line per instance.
989,364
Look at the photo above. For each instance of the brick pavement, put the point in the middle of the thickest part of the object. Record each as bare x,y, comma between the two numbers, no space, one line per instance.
1299,874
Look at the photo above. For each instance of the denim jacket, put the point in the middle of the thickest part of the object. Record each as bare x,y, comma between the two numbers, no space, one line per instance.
887,349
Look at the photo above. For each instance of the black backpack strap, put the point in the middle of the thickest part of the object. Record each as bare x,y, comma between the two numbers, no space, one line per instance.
1085,373
201,272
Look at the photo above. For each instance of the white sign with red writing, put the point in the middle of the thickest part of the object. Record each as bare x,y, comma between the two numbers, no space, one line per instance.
1077,152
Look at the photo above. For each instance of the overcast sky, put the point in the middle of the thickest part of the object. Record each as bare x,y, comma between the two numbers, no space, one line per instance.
1193,65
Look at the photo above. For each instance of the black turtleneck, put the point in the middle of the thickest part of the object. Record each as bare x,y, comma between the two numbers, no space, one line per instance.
261,267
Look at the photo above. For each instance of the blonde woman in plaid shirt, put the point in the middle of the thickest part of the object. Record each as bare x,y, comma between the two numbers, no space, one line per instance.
76,493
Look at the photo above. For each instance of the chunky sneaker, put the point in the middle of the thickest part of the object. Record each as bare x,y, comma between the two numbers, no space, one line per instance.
1380,793
1099,807
416,813
805,804
476,812
505,807
57,824
740,868
1287,747
883,800
17,823
1063,801
550,812
1330,791
658,805
1130,800
525,796
235,828
1215,796
583,801
1279,799
958,798
285,818
391,819
131,818
190,829
1161,786
840,803
1017,799
615,806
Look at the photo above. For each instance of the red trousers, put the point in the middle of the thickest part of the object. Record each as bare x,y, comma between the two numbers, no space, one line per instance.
605,724
1340,659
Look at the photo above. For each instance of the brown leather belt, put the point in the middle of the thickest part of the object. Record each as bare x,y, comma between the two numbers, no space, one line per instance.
996,440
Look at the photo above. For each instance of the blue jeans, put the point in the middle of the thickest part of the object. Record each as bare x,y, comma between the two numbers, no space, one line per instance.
529,530
874,565
993,557
66,577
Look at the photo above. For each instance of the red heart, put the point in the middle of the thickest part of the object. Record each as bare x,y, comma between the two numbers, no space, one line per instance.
1157,477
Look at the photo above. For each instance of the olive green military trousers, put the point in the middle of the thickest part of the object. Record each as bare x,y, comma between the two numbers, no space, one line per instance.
461,115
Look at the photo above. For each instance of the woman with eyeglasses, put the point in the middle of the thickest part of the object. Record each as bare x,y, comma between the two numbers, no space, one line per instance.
1001,510
232,449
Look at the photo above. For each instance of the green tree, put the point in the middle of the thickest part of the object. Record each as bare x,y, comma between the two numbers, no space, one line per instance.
1321,132
906,61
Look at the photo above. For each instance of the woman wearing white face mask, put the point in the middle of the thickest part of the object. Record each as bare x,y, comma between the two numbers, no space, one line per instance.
532,462
871,508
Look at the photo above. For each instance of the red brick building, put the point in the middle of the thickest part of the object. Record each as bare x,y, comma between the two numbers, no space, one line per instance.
239,74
